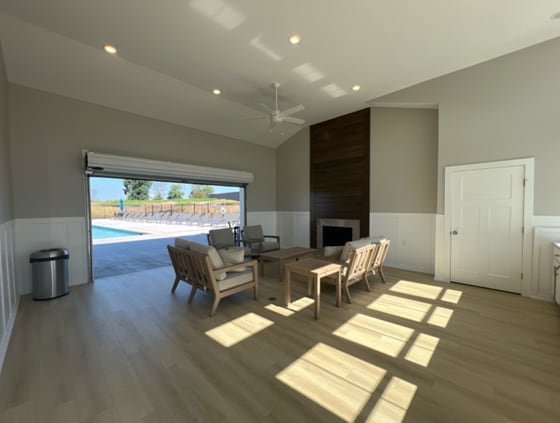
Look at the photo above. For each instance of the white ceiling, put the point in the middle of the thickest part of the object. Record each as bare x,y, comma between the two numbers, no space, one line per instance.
172,53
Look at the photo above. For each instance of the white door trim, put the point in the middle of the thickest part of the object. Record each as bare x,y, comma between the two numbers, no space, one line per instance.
443,243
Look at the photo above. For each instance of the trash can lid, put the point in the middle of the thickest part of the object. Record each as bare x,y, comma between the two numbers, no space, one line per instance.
50,254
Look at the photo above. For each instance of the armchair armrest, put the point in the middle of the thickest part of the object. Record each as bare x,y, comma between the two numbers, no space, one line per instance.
250,263
276,237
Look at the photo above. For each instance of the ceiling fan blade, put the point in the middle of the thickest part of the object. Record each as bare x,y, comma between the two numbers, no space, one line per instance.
293,110
290,119
266,107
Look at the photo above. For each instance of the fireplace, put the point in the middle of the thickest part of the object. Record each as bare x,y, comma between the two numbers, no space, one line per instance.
337,231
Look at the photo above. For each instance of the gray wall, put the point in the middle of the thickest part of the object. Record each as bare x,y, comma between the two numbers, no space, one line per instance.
292,173
404,160
48,133
503,109
6,206
403,175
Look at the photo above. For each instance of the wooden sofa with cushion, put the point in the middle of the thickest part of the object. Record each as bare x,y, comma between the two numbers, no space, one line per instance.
203,268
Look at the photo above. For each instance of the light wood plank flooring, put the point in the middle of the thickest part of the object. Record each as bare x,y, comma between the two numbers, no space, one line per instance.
126,350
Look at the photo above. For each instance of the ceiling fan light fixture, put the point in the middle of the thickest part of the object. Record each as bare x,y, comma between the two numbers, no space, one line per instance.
216,91
110,49
356,87
294,39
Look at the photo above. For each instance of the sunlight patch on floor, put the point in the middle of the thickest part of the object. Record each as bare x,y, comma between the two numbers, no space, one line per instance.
417,289
401,307
422,349
283,311
451,296
337,381
300,304
440,316
376,334
235,331
394,402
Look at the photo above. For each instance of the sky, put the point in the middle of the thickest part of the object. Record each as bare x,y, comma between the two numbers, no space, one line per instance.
112,189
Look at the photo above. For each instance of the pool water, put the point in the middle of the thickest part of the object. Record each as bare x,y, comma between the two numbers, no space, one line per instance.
101,232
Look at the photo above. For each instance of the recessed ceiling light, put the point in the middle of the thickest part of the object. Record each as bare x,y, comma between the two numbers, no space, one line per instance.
216,91
110,49
294,39
555,16
356,87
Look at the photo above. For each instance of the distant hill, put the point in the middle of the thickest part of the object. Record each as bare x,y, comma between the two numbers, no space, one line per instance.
226,196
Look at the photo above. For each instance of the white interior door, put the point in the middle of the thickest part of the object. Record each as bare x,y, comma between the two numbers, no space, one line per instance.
487,227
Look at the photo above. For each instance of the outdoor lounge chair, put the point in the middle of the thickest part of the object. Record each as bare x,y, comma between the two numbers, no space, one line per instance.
196,269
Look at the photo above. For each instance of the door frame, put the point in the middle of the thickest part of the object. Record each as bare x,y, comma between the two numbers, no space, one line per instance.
443,238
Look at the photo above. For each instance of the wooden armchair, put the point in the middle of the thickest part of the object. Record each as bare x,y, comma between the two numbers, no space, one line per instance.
253,237
356,268
379,258
224,238
196,269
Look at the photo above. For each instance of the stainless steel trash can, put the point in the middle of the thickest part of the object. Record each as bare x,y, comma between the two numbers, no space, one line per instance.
50,273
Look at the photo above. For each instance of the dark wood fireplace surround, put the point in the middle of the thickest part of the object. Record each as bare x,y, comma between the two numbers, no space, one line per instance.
339,170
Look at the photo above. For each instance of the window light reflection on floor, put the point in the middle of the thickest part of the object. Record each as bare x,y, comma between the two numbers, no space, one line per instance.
401,307
337,381
235,331
440,316
422,349
451,296
301,303
417,289
283,311
376,334
394,402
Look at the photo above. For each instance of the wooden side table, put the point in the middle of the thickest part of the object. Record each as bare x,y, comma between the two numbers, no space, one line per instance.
313,270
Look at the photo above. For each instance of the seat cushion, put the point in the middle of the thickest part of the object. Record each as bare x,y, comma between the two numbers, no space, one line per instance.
235,279
215,259
270,245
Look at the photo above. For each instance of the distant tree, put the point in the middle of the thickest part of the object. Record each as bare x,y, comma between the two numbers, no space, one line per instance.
158,189
175,192
135,189
201,191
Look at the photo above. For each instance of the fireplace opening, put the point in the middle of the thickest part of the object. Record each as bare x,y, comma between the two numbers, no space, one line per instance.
332,232
336,235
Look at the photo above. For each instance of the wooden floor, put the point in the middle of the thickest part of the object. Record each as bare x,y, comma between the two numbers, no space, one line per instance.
126,350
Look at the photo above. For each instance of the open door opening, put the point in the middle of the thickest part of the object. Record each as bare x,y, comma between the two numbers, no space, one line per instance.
132,220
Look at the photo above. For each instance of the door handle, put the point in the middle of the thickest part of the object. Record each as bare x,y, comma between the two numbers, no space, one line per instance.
454,232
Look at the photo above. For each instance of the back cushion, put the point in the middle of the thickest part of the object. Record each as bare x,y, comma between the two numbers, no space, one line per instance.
352,245
217,262
182,243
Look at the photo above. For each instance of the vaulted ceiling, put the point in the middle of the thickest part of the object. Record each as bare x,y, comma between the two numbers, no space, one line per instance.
173,53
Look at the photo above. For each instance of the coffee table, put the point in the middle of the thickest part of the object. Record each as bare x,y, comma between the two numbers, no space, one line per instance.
313,270
283,256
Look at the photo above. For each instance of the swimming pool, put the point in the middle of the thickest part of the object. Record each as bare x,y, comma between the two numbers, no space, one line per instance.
101,232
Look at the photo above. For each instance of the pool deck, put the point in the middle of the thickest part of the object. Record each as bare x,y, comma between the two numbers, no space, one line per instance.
117,256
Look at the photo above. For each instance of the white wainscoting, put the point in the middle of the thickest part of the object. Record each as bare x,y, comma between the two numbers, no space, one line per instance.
9,299
293,228
546,230
265,218
38,234
412,238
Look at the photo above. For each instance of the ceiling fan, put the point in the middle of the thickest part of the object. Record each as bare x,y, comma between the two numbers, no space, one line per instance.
280,116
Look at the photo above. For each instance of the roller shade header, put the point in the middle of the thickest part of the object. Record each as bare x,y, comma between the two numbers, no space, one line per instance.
97,164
